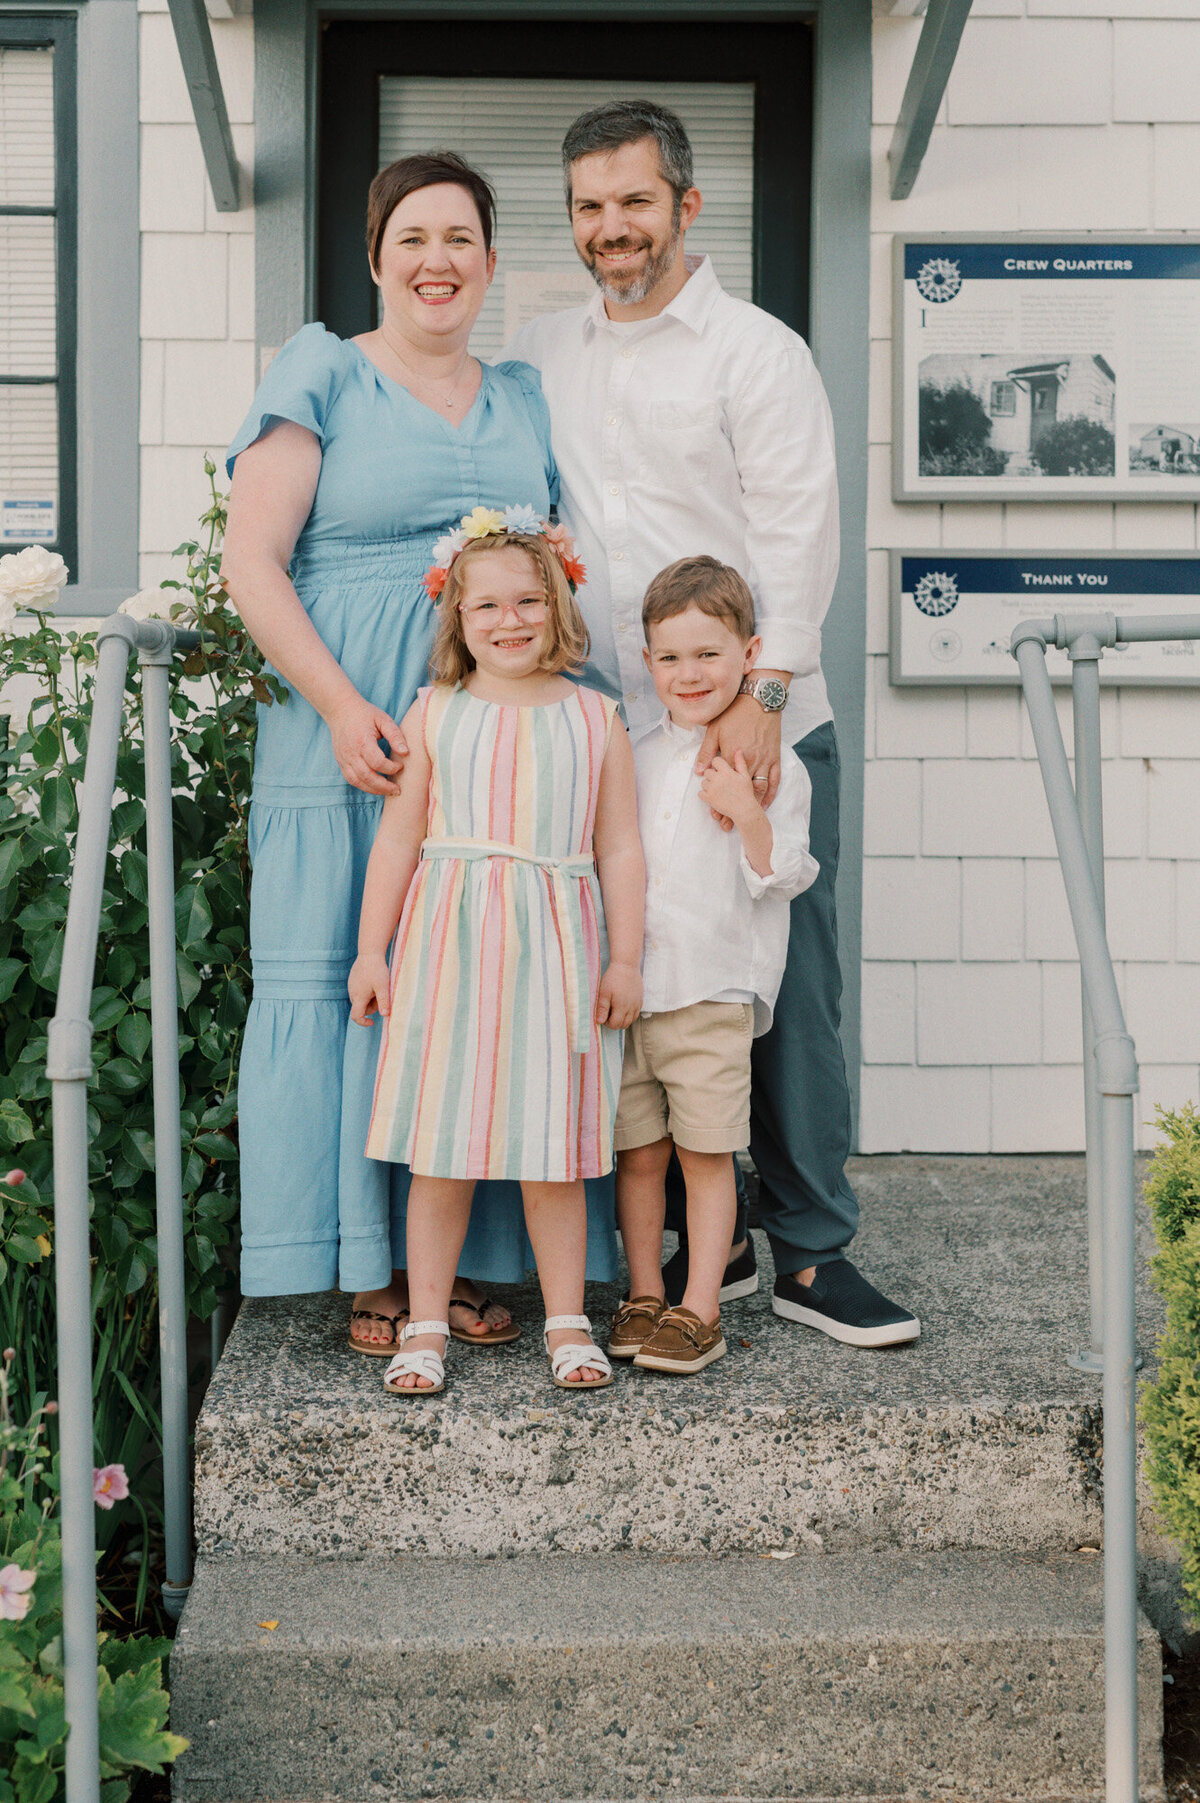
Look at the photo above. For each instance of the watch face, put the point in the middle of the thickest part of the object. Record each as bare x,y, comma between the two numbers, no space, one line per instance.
771,694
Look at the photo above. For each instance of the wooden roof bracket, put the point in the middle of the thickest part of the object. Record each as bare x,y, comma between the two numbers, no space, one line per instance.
194,39
932,63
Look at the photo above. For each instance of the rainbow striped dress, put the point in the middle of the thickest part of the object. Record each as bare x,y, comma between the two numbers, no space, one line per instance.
492,1065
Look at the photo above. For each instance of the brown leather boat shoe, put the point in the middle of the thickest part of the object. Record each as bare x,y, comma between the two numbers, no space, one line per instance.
633,1324
681,1342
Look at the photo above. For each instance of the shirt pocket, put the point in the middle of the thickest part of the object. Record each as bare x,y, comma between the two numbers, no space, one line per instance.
682,437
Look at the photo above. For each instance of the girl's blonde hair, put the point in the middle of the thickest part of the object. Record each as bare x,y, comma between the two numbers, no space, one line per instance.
567,643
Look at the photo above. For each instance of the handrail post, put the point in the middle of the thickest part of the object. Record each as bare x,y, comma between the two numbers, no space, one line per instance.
1085,656
69,1066
168,1173
1112,1051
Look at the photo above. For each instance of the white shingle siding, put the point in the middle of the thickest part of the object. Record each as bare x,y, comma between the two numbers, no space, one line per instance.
1061,115
197,281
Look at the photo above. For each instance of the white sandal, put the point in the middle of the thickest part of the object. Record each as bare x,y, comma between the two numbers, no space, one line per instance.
565,1359
421,1363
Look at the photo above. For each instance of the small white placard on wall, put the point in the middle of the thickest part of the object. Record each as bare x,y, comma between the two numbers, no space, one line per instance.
953,613
530,292
24,522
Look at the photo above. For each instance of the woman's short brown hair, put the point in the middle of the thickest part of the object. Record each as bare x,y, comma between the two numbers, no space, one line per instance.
568,642
428,167
703,582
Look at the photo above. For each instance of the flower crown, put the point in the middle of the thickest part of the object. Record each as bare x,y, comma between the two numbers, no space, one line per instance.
498,522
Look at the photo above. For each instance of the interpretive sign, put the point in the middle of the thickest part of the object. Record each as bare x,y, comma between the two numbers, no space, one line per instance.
1039,370
953,613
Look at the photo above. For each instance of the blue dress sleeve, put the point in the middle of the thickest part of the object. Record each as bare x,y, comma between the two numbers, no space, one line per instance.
299,385
529,382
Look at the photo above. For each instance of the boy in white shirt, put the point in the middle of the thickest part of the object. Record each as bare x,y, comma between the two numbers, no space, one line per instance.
717,921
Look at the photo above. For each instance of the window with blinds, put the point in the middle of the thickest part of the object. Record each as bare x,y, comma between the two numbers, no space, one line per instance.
513,129
31,385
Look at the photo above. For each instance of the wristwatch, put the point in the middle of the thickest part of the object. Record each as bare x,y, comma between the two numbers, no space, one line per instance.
770,694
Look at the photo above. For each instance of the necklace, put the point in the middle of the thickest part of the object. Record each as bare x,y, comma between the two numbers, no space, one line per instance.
428,381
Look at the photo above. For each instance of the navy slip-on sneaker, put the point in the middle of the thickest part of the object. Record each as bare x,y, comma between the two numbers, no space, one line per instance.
740,1279
840,1302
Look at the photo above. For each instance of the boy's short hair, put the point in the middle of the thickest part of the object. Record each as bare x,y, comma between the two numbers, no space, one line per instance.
703,582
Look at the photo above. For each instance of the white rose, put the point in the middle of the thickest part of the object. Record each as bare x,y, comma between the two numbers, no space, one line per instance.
32,577
8,614
155,604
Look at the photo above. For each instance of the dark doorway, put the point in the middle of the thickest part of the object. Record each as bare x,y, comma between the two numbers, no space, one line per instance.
356,55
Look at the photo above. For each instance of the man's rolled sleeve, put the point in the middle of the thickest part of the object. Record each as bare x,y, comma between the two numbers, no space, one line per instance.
782,434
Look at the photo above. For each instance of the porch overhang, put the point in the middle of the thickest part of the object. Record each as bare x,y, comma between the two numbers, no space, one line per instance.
193,37
932,63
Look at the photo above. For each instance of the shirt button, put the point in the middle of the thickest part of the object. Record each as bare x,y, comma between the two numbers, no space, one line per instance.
622,625
614,488
631,699
618,556
612,419
667,814
627,352
658,882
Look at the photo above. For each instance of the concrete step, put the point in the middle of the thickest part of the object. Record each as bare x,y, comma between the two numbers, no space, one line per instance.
973,1675
979,1436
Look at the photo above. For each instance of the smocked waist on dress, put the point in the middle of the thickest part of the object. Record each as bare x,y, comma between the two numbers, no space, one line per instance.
327,558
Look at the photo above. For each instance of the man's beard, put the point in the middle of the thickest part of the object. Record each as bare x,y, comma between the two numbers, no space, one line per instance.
632,294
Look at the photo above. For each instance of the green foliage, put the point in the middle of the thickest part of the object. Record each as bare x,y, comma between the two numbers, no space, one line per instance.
1170,1406
1076,446
33,1729
213,698
954,432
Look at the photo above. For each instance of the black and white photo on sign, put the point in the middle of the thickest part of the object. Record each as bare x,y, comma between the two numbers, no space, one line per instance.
1016,413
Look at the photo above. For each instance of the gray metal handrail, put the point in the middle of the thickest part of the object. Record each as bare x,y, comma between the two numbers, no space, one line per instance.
1110,1083
69,1067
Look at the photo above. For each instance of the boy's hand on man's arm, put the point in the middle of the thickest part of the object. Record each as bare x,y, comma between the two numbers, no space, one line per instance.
729,791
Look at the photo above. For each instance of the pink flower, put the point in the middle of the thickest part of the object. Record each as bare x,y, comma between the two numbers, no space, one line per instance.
14,1177
109,1485
15,1586
435,582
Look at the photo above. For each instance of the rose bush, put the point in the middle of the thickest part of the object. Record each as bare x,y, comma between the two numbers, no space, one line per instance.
213,699
33,1729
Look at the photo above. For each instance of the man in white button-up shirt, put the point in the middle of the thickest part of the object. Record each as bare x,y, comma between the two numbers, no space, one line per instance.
684,422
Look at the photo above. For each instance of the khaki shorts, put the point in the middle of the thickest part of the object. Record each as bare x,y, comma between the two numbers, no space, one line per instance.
687,1073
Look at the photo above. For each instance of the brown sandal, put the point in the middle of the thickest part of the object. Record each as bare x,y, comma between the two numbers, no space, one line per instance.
495,1336
368,1348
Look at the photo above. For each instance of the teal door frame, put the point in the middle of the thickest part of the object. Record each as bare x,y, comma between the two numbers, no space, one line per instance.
286,42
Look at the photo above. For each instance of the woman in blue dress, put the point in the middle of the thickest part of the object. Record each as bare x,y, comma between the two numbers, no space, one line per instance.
356,456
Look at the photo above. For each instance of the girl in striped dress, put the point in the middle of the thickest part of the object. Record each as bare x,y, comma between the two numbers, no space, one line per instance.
509,873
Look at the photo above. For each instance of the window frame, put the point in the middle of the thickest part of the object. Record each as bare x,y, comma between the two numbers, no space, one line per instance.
32,31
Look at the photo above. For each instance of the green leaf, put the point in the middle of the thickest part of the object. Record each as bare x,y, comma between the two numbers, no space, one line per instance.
193,916
11,970
131,1270
24,1250
14,1123
58,804
189,980
133,875
121,967
107,1009
14,1695
45,961
13,857
133,1035
138,1146
216,1145
121,1077
42,911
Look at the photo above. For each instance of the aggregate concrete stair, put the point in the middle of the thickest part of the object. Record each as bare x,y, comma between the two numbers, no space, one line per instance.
430,1564
975,1674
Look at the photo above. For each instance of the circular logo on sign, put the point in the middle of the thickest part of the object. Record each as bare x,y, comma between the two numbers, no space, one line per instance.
945,645
936,594
939,279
